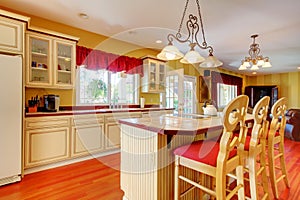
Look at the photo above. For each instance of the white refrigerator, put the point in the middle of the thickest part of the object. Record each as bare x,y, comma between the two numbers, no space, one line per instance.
10,118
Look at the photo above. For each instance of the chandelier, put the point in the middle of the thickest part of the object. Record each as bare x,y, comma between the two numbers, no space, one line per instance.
255,60
171,52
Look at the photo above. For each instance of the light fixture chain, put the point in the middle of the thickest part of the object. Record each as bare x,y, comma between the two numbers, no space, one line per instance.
201,23
184,11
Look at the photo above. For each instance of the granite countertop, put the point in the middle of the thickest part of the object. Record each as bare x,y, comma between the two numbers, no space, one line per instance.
174,125
94,111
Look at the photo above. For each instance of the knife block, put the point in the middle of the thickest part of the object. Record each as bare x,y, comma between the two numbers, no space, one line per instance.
32,109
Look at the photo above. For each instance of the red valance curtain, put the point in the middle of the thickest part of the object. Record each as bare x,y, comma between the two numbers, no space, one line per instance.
217,77
96,60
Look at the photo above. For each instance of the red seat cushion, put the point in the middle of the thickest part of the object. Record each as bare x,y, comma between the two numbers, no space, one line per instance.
202,151
247,141
276,134
248,132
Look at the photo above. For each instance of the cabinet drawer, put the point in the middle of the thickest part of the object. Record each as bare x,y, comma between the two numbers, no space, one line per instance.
87,119
41,122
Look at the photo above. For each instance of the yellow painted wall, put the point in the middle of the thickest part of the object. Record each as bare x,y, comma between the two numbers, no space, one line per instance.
288,85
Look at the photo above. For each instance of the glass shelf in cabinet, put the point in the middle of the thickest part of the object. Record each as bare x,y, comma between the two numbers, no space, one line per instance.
39,54
65,58
38,68
64,71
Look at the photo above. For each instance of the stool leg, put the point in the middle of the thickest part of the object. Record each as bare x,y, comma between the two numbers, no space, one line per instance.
264,172
272,167
252,177
282,163
240,181
176,179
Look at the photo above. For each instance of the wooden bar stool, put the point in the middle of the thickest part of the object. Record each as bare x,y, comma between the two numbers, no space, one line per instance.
216,159
255,150
276,145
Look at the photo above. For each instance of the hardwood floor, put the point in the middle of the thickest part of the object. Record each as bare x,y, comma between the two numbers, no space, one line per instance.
100,180
92,179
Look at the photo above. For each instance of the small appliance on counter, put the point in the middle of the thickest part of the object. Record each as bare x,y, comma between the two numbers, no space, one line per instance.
51,103
209,109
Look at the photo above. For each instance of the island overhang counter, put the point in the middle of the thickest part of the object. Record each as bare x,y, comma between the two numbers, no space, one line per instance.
147,160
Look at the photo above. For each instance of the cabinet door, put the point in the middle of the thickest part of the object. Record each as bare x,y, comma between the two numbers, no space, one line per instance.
112,135
155,76
44,146
64,63
161,76
87,139
12,35
38,60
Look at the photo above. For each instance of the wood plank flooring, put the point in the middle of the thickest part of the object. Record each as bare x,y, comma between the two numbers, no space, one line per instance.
100,180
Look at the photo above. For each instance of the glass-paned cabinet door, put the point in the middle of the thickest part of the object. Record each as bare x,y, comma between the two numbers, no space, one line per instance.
161,75
152,75
64,63
39,60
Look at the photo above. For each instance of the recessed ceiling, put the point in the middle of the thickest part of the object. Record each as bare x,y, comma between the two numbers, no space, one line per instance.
228,24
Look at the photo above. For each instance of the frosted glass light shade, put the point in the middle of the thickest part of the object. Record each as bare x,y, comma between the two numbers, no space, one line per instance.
254,67
260,62
170,52
246,64
211,62
242,67
267,64
192,57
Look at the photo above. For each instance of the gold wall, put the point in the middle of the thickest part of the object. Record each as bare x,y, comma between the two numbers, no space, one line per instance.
288,85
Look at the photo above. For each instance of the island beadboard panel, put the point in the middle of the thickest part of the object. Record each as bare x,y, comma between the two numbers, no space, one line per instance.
147,164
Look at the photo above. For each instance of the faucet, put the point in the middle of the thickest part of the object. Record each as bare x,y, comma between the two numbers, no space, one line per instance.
117,102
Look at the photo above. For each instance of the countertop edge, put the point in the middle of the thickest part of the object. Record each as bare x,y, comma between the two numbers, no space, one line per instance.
96,111
168,131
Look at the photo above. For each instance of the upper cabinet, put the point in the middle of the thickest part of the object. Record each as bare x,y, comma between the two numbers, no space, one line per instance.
50,61
12,30
154,77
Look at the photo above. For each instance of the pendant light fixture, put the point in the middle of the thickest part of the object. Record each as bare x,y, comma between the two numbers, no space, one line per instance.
171,52
255,60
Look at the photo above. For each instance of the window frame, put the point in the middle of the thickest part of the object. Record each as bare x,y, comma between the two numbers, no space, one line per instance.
136,89
232,93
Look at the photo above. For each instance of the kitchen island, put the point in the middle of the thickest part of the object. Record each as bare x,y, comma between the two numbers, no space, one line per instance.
147,144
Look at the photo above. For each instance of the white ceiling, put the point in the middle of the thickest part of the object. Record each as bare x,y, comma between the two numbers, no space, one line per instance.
228,24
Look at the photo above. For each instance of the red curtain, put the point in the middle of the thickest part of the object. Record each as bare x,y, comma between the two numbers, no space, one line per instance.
217,77
96,59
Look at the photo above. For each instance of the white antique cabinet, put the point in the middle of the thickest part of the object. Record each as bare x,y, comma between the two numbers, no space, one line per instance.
50,62
46,140
12,30
154,77
87,134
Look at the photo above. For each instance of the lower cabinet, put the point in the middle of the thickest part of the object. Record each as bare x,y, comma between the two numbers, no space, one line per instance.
112,135
56,138
87,139
46,145
113,128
